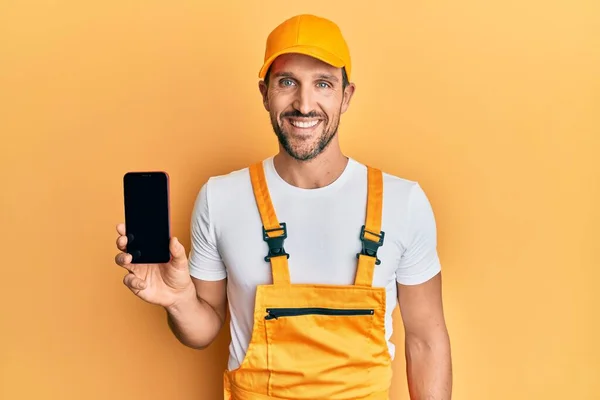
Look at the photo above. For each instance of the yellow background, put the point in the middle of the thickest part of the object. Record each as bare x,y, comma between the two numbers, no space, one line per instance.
493,106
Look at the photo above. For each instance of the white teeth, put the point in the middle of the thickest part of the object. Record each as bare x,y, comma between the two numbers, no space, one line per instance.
301,124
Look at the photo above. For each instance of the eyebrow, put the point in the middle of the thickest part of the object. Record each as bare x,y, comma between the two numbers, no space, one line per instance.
283,74
319,76
328,76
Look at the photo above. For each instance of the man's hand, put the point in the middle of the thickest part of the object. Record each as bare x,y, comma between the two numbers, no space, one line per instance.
161,284
195,308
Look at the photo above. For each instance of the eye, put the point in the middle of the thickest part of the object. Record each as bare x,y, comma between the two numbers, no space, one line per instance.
286,82
323,85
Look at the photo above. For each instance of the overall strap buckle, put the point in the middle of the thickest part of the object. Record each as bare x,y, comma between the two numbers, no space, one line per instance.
370,247
275,243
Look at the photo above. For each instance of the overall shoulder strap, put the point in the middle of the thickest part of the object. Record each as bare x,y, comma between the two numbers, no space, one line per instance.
273,232
371,235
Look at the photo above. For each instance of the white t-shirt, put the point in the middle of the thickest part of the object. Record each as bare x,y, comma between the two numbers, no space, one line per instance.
323,238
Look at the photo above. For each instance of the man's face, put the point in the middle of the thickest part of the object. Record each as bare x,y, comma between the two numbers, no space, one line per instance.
305,99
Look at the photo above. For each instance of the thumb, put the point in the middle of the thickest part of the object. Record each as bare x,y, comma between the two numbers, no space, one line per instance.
177,251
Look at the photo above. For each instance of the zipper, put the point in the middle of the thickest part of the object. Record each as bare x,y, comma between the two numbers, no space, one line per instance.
274,313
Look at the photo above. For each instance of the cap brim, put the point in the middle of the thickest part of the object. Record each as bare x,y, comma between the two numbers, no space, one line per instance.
312,51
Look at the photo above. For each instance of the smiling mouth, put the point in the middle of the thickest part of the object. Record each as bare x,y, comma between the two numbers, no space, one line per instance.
304,123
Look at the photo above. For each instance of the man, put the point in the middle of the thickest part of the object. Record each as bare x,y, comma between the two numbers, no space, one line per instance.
310,250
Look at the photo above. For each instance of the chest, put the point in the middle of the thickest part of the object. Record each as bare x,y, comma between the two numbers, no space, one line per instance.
323,240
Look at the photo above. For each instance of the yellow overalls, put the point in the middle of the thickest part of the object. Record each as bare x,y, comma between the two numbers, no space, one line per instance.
314,341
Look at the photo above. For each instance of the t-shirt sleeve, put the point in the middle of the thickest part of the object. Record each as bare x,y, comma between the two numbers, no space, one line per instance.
420,261
204,259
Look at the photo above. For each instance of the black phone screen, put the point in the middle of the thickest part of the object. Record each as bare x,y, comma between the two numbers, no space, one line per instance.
146,196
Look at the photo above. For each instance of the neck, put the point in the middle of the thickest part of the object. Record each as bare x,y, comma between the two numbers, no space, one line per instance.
316,173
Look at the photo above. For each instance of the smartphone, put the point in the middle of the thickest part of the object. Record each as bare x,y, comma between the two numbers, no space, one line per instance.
147,216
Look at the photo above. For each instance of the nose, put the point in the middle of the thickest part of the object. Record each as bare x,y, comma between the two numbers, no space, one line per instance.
304,100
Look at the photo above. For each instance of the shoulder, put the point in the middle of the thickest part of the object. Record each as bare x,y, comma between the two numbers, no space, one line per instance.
405,202
218,188
224,189
224,196
396,188
412,225
409,196
228,181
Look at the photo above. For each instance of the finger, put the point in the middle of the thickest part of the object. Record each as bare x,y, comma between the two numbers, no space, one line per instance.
177,252
122,243
134,283
121,229
124,260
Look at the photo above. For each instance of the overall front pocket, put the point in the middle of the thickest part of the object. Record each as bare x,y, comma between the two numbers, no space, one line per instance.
320,352
275,313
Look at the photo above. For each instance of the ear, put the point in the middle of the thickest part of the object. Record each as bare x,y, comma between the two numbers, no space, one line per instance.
264,91
348,93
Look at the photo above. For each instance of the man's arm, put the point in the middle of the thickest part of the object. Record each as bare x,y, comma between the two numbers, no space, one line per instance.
197,320
427,344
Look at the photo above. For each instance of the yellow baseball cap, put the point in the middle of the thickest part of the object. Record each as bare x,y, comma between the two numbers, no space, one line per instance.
310,35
